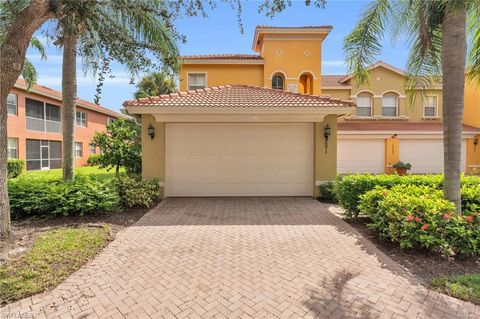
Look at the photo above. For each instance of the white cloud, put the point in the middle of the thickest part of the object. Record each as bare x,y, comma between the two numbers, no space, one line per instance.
337,63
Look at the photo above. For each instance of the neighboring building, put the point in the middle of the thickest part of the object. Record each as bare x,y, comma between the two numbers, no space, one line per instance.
34,126
387,127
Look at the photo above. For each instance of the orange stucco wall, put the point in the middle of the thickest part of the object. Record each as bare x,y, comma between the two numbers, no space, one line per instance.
472,104
16,126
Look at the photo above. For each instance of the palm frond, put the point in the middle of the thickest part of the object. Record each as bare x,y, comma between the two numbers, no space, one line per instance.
363,44
473,29
38,45
29,74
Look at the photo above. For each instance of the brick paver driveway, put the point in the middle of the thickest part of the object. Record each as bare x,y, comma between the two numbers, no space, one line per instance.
241,258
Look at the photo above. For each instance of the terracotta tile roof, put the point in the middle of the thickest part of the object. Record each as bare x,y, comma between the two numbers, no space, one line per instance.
332,80
297,27
238,96
229,56
394,126
46,91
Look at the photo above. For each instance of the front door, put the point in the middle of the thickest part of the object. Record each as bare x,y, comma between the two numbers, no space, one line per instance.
45,155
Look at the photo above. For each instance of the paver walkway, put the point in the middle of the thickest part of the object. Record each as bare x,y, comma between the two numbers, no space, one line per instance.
240,258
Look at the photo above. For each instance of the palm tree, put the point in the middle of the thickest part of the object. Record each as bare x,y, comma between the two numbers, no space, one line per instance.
101,31
437,32
156,83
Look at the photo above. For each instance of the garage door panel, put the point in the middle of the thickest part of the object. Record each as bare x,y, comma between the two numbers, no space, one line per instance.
239,159
361,156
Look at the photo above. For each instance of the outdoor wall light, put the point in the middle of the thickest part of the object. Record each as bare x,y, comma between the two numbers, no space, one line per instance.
475,142
326,135
151,131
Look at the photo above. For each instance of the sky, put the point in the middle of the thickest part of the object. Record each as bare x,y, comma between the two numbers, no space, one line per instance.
220,33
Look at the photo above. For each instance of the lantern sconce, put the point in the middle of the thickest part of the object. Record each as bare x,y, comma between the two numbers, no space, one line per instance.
475,142
151,131
326,135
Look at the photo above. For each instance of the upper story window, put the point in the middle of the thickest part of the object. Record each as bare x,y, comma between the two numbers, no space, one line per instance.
197,81
389,104
278,82
364,104
42,117
430,106
78,149
81,118
12,104
12,148
93,149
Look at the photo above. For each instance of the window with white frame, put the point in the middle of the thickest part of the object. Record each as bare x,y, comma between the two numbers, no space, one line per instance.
364,104
81,119
430,106
12,104
12,147
42,117
197,81
93,149
78,149
389,104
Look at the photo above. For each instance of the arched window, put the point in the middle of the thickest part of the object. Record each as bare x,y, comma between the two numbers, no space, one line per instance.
364,104
306,84
277,82
389,104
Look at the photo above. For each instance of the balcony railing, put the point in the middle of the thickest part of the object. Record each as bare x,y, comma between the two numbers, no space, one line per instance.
40,125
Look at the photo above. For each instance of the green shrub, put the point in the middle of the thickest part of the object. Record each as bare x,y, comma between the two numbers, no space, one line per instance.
93,160
349,188
47,197
327,192
136,192
470,198
15,167
419,217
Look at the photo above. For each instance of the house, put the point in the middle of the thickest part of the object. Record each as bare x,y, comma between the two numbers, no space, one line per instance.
250,138
34,126
387,127
270,123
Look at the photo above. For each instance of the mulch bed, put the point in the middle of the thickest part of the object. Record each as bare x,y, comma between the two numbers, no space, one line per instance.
24,232
421,264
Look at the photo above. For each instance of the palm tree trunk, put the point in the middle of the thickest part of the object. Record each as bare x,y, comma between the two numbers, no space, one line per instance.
454,51
12,56
69,96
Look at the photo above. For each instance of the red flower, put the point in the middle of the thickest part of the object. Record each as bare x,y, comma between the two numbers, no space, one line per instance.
418,219
469,219
447,216
409,218
425,227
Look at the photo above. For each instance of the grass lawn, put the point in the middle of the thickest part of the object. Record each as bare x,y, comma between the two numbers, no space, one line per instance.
465,287
53,257
53,174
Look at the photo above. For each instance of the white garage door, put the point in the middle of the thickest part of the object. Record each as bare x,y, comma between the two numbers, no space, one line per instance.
239,159
361,156
426,156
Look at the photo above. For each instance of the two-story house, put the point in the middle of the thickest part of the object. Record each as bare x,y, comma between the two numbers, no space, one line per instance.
34,126
390,126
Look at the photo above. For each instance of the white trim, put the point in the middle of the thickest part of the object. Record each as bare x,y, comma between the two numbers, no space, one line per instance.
411,134
281,72
371,103
307,71
239,110
197,72
321,32
363,91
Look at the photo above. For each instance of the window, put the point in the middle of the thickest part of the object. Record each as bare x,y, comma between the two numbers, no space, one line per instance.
42,117
364,104
93,149
12,148
78,149
277,82
43,154
430,106
197,81
110,120
389,104
12,104
81,119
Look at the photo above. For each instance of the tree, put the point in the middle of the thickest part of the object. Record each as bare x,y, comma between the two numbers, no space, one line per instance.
18,22
438,36
120,146
156,83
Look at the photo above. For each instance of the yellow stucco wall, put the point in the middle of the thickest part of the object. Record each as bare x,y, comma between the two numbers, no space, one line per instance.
222,74
325,163
339,94
153,151
473,156
472,104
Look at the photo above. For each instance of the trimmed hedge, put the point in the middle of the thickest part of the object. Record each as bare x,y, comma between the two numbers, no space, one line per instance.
327,192
136,192
349,188
15,167
419,217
